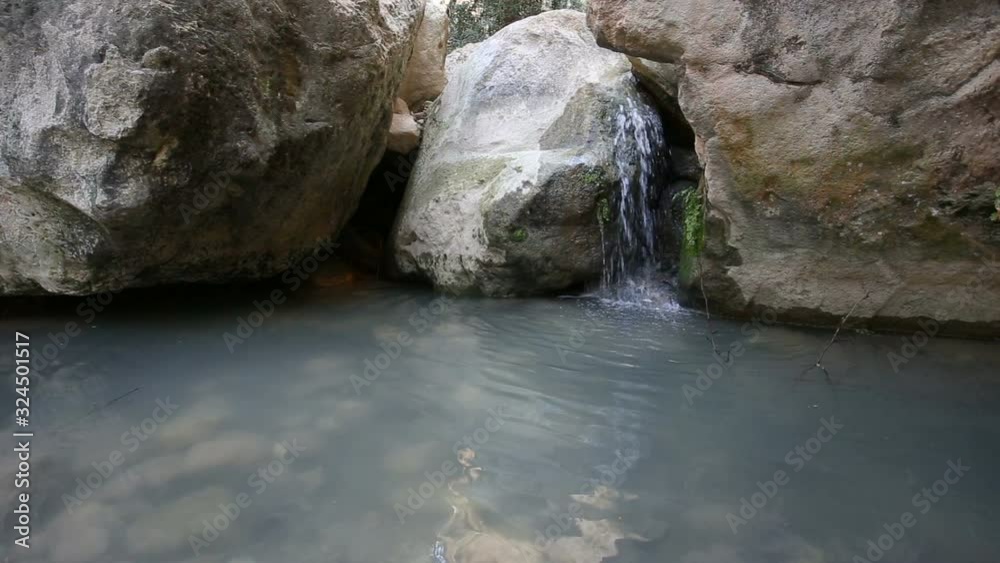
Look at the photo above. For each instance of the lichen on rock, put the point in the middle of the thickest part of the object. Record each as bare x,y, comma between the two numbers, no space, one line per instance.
831,168
504,195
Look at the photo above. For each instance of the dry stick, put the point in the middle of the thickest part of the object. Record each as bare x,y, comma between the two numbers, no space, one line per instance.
701,272
819,359
101,408
111,402
708,315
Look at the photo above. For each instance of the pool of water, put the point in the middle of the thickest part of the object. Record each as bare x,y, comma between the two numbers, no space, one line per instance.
366,425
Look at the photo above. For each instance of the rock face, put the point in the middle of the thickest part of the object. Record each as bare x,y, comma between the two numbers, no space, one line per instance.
850,148
516,161
147,142
425,75
404,132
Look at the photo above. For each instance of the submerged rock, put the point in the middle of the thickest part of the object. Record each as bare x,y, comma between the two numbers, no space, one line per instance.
516,161
153,142
849,147
467,538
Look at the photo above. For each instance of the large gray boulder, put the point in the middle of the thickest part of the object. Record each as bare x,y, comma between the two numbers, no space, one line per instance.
850,147
517,163
146,142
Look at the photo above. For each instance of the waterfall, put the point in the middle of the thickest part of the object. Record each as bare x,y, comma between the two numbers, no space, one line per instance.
630,246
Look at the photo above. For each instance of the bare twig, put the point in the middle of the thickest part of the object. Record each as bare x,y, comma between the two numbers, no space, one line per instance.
843,321
708,315
111,402
701,274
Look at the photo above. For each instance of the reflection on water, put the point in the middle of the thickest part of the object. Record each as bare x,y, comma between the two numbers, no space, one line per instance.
362,426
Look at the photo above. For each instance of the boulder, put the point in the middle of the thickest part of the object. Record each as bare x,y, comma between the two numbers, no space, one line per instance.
146,142
404,132
517,162
425,75
850,149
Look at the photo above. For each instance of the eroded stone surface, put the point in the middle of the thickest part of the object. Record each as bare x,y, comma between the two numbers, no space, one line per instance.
152,142
515,160
849,147
425,74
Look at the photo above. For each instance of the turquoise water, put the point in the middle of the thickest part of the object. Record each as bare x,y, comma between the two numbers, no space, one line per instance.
595,435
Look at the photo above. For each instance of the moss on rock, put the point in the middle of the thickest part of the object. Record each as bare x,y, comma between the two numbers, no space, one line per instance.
693,231
603,210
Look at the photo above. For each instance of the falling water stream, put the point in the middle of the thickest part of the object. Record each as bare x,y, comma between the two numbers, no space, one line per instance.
641,154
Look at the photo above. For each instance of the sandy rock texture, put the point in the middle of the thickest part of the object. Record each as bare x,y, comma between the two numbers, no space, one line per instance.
425,77
850,148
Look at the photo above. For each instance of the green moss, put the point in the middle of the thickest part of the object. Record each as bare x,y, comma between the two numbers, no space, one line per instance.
603,210
518,234
694,230
594,177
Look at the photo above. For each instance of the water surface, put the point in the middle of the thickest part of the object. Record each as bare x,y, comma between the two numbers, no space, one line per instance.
588,421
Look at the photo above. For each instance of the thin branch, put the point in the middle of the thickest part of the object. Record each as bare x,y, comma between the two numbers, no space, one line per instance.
109,403
708,315
843,321
701,273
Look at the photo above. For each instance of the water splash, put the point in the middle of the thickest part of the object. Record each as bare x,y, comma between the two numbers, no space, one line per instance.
630,246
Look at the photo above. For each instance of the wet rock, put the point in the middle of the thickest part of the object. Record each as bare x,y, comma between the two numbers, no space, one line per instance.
849,147
517,157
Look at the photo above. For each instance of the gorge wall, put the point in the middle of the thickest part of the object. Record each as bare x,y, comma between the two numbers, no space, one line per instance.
848,152
851,153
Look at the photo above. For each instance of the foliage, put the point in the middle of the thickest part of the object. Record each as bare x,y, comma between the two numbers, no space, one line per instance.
693,231
694,220
594,177
476,20
603,211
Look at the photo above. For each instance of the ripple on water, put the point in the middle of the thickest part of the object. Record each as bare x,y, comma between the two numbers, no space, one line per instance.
580,381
